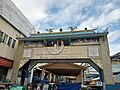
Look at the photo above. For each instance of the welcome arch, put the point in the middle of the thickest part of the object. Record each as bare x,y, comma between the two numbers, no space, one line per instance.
78,46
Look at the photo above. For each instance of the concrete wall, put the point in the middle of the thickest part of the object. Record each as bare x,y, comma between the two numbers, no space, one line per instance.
14,24
5,50
12,14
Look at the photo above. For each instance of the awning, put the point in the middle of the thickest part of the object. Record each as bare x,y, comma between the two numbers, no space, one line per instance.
65,69
6,63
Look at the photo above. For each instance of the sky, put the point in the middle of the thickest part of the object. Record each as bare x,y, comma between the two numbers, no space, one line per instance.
46,14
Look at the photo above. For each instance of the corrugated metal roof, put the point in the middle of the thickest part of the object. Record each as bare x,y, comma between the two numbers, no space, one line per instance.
65,35
61,34
116,57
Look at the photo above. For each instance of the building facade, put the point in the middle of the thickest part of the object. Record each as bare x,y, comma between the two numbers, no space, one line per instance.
13,24
116,66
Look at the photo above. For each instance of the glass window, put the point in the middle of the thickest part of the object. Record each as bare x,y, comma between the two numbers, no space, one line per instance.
5,38
13,44
9,41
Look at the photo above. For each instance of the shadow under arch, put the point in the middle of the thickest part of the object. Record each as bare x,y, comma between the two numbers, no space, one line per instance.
33,62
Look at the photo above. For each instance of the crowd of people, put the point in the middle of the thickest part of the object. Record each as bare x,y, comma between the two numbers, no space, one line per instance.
40,86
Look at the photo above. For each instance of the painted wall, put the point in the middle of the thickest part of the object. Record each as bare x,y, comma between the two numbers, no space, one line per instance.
70,52
5,50
11,13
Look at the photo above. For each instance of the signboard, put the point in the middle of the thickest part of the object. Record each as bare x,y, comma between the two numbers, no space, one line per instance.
27,53
67,52
99,83
93,51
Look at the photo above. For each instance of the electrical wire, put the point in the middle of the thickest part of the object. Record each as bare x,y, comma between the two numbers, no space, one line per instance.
114,34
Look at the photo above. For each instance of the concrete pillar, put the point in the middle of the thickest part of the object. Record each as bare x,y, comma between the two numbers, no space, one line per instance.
79,78
54,78
31,75
49,77
17,58
106,63
85,76
42,74
9,74
82,74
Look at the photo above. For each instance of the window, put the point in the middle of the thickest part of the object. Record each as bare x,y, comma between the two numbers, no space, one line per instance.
9,41
1,35
5,38
13,44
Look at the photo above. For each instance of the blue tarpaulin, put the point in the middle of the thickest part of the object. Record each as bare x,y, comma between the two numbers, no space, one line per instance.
72,86
44,82
35,78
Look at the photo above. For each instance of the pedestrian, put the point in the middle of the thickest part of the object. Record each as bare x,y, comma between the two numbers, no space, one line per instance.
29,86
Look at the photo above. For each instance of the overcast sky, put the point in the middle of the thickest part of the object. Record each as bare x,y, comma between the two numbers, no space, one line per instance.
45,14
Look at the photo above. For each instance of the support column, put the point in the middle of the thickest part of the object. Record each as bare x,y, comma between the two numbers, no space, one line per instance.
82,80
18,56
9,74
54,78
31,75
106,63
79,78
42,74
49,77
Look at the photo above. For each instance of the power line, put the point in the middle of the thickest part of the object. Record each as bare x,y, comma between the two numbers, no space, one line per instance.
113,34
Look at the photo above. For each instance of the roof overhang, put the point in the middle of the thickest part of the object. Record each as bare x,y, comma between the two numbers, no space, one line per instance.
65,69
63,36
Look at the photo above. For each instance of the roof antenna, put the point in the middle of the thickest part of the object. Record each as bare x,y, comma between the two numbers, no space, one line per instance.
38,32
85,28
50,30
60,29
72,28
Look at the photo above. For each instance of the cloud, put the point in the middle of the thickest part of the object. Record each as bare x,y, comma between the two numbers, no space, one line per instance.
114,36
114,42
69,16
33,10
114,15
62,13
102,20
44,14
114,48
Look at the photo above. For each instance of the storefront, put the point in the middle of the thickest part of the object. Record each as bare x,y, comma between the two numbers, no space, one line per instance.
4,66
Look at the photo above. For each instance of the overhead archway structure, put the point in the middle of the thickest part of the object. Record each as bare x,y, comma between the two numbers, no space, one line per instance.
33,63
66,47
